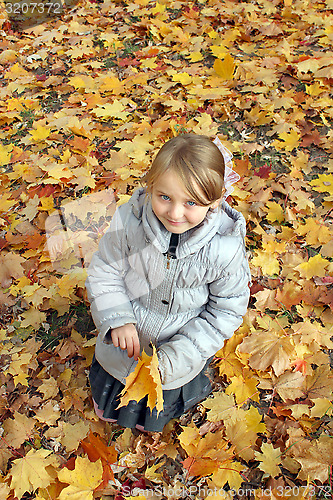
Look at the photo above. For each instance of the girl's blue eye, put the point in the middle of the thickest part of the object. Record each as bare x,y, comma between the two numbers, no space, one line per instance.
191,203
165,197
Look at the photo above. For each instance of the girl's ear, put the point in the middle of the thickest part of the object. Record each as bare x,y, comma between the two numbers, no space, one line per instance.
215,204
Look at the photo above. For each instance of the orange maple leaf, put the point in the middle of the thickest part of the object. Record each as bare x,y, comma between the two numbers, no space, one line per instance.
144,381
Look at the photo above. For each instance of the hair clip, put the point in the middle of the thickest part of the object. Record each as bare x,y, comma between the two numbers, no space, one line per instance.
230,176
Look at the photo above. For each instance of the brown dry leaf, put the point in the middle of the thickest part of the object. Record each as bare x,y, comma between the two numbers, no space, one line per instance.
268,349
289,385
320,383
10,267
18,429
315,457
317,460
48,413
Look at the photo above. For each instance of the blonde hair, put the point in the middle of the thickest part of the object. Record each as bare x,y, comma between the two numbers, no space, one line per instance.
197,161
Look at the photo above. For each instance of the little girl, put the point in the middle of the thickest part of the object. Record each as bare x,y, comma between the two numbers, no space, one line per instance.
171,271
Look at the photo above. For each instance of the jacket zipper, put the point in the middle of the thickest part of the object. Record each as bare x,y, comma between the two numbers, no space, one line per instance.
168,260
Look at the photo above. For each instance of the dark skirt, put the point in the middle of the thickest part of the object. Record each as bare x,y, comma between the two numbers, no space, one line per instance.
106,390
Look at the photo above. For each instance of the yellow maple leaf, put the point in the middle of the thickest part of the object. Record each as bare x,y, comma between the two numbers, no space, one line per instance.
189,439
228,362
29,473
315,266
267,262
21,378
137,148
183,78
299,410
82,481
144,381
274,211
219,51
56,172
47,203
49,386
323,184
72,434
203,124
221,407
82,178
290,140
322,406
123,198
319,383
314,89
152,475
111,84
114,110
33,317
310,64
195,56
16,71
225,68
229,472
40,133
241,438
83,81
315,233
5,154
288,385
254,420
6,202
243,388
149,63
269,459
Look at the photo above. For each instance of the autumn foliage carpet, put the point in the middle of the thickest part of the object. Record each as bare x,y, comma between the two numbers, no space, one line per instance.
85,101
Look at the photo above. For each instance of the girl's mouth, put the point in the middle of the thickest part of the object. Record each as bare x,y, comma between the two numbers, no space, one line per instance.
174,223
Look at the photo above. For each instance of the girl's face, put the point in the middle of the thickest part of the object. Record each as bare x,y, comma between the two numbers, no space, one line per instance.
173,205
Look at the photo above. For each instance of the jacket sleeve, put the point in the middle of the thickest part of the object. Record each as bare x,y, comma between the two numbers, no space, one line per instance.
188,350
109,302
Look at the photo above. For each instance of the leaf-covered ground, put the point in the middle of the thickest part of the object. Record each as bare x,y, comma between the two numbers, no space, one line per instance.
85,101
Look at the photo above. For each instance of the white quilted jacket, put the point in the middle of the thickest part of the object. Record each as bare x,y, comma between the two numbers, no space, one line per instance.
186,306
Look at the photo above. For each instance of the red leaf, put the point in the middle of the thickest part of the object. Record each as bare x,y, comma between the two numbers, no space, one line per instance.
264,171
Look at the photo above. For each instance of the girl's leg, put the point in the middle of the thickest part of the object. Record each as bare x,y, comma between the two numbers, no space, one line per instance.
99,413
140,428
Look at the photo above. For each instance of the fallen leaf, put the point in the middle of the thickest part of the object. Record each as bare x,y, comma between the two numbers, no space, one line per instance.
268,349
269,458
82,481
144,381
29,473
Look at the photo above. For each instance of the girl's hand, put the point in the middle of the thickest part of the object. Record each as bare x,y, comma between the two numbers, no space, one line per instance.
126,337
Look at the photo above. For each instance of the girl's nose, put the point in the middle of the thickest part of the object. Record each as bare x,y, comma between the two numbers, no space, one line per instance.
175,212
